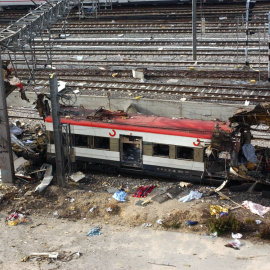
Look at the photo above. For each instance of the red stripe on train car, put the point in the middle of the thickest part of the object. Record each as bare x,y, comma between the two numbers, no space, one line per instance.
182,127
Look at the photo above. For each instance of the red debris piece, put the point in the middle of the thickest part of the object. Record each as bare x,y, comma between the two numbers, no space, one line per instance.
143,191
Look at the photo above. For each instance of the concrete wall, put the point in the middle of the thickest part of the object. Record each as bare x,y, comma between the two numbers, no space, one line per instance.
169,108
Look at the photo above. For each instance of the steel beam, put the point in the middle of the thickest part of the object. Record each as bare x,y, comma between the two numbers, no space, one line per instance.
6,157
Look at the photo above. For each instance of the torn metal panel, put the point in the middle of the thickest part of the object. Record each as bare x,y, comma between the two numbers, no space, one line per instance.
46,179
259,115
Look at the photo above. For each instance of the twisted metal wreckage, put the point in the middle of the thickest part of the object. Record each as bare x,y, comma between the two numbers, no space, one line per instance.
246,161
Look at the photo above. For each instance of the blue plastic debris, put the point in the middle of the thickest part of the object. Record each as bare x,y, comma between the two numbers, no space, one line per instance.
120,196
94,231
223,214
191,223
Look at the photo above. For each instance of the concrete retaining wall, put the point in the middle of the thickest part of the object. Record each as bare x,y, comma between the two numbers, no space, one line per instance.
169,108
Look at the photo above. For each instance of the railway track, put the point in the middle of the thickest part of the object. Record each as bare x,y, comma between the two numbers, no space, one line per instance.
177,91
112,64
103,61
153,74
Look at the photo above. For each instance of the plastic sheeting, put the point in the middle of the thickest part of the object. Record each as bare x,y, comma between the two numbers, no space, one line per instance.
191,196
256,208
249,152
120,196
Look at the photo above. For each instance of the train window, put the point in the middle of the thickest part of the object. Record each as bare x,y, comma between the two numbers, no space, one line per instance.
161,150
80,140
184,152
101,143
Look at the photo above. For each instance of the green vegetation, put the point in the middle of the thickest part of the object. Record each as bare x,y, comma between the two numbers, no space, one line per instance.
264,232
224,224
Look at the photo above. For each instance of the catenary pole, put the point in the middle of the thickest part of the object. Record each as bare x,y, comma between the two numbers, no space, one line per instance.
6,157
194,31
57,130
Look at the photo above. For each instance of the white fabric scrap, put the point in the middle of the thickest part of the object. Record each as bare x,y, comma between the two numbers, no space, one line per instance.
235,243
256,208
191,196
236,235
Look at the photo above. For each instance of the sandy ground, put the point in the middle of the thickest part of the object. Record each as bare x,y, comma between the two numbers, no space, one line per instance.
121,247
59,221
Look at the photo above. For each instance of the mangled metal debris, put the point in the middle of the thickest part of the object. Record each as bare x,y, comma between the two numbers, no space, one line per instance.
46,179
236,153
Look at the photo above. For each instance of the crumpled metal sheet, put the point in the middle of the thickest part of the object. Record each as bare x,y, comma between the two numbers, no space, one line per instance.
259,115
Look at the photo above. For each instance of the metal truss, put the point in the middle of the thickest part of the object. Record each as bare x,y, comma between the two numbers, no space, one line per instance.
20,33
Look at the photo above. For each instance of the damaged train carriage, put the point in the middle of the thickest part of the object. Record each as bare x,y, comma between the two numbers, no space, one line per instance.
185,149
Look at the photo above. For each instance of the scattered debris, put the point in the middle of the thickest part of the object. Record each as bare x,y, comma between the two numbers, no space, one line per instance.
235,243
92,209
159,221
146,224
16,218
143,191
46,179
76,177
256,208
185,184
191,196
94,231
214,234
236,235
217,209
120,196
191,223
52,255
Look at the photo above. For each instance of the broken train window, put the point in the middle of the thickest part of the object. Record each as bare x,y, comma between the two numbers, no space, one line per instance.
161,150
184,152
101,143
80,140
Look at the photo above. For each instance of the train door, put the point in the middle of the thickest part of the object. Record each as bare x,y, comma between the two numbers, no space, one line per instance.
131,151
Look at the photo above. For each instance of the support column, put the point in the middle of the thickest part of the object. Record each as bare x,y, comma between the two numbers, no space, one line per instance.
57,130
194,31
6,157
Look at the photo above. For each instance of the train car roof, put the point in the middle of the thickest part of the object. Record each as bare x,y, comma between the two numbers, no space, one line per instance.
141,123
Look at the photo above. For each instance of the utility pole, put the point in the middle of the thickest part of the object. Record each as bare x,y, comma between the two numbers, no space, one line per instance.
194,31
6,157
57,130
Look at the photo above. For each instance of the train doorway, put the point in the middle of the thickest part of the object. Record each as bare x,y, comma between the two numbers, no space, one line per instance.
131,151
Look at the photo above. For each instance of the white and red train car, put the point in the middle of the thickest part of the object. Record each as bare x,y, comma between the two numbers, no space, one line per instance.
146,144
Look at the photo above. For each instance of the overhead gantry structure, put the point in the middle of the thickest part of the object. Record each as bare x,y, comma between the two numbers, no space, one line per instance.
14,39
